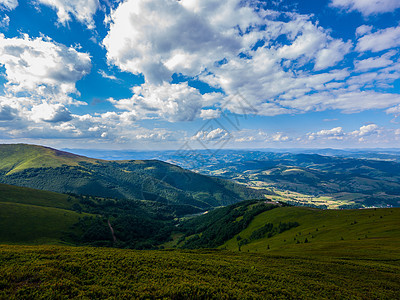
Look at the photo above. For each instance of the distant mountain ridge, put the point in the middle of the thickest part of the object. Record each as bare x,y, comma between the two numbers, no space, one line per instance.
53,170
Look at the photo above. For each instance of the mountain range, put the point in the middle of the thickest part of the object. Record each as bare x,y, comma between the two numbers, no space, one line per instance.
59,171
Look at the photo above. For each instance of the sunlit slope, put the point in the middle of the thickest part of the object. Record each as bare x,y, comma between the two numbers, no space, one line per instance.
49,169
18,157
363,232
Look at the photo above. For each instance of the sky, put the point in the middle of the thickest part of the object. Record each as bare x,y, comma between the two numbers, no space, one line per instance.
200,74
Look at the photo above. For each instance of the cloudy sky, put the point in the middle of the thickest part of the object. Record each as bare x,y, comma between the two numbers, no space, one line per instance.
162,74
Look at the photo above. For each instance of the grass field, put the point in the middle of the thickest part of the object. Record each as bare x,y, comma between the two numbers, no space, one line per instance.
16,194
30,224
65,272
30,216
371,233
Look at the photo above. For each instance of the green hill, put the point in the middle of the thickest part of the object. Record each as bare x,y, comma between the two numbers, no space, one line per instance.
31,216
259,227
23,195
361,233
18,157
49,169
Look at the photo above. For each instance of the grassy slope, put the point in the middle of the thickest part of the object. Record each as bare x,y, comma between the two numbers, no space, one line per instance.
30,224
98,273
329,232
31,216
18,157
16,194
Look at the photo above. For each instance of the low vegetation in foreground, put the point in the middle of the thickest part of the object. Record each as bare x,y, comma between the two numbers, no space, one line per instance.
55,272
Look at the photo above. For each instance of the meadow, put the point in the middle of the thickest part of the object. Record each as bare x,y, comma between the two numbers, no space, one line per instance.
55,272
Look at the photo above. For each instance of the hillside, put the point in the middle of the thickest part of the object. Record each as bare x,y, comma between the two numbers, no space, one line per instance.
31,216
259,227
47,272
49,169
18,157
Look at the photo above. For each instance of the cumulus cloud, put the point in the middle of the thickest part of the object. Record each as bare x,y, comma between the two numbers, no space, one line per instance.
8,4
217,134
334,133
159,38
380,40
239,49
52,113
173,102
367,7
82,10
206,114
41,67
366,130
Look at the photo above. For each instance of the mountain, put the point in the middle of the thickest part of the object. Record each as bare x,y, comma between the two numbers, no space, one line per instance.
53,170
305,179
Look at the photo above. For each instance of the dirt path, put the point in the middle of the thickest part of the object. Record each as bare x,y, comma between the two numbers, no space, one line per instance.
112,231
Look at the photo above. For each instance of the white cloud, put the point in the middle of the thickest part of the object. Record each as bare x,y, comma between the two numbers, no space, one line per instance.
5,22
8,4
82,10
280,137
367,7
363,29
42,68
381,40
217,134
107,76
173,102
207,114
159,38
346,100
334,133
374,62
332,54
52,113
366,130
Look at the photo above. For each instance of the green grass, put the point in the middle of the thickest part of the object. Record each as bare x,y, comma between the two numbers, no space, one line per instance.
30,216
30,224
347,233
15,194
48,272
18,157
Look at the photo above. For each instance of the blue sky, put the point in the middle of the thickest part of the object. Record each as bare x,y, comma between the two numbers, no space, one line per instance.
166,74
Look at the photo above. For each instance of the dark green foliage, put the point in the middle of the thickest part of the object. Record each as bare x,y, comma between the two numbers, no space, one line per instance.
216,227
269,230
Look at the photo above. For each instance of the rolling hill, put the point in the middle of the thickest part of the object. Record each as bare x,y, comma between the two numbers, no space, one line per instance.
305,179
265,227
32,216
49,169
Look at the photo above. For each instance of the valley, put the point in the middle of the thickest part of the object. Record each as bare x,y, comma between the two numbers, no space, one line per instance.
177,244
